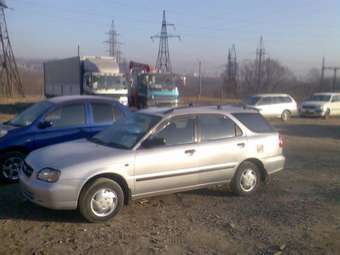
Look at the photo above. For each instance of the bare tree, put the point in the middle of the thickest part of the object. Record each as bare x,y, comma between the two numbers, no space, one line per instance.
275,77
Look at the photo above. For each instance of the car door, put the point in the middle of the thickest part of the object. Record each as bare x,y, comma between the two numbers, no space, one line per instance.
335,105
103,115
221,147
265,106
65,123
170,166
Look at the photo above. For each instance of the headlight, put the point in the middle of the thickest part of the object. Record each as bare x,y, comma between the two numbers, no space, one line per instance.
48,175
3,132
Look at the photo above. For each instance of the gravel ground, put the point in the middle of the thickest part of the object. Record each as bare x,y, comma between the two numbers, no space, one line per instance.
296,212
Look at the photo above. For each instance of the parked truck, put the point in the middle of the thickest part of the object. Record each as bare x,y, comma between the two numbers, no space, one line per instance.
149,88
87,75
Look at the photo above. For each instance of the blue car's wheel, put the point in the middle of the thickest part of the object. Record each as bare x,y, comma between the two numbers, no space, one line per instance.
10,165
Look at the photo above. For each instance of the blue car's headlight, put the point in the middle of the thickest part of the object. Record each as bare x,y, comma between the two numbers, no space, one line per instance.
48,175
3,132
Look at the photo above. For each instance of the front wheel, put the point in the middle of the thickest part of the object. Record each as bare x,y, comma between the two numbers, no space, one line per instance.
327,114
10,165
246,180
101,200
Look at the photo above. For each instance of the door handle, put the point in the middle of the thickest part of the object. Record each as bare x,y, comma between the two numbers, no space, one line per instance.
189,152
241,145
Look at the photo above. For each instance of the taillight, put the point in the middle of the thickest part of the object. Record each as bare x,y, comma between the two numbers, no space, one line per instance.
280,141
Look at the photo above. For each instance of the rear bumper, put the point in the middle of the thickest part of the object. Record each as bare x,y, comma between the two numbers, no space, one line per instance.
61,195
274,164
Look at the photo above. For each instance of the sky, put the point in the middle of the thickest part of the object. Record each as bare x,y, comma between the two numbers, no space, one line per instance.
295,32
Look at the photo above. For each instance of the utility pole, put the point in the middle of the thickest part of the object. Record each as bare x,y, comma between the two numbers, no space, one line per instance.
163,63
78,50
200,79
114,43
230,79
332,68
322,72
10,82
260,53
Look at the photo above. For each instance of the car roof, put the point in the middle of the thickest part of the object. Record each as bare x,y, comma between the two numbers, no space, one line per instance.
272,95
66,99
216,109
327,93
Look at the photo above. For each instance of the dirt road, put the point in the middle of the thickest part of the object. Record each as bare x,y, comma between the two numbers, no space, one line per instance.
296,212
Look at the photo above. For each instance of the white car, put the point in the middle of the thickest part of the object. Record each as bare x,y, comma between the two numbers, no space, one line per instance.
321,105
273,105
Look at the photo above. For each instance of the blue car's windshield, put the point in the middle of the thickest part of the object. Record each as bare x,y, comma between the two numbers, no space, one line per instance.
321,98
30,114
126,132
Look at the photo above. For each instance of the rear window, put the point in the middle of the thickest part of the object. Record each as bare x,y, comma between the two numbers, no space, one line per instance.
255,122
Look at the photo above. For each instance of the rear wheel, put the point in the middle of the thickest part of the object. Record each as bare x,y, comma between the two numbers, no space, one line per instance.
101,200
247,179
11,164
285,116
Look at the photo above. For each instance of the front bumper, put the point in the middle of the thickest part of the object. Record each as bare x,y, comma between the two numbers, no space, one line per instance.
274,164
312,112
60,195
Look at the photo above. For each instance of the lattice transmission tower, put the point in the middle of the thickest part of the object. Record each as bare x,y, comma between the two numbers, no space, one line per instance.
163,63
10,82
114,43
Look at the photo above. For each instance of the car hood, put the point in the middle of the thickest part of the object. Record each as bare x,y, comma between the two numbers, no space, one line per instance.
313,103
7,127
78,153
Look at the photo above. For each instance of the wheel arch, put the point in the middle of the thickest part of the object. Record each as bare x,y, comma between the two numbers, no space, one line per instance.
21,149
260,165
112,176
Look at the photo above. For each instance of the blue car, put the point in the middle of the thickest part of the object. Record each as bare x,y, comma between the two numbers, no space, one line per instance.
52,121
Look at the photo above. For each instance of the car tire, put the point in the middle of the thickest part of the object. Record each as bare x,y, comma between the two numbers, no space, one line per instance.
100,200
327,114
246,180
285,116
10,166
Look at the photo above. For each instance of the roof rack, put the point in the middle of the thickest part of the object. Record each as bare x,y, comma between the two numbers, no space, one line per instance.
179,107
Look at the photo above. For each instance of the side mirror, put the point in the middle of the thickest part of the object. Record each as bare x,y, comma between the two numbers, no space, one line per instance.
45,124
153,142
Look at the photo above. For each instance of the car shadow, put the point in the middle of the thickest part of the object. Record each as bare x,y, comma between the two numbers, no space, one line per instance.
310,131
15,207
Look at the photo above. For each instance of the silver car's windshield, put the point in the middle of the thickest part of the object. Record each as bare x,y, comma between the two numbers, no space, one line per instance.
126,132
321,98
31,114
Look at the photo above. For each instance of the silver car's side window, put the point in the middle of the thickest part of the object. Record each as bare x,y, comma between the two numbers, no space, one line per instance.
177,131
217,127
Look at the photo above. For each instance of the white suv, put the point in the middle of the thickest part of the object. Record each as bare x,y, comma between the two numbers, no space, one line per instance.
321,105
273,105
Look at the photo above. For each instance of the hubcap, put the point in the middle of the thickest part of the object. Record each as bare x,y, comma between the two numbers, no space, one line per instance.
11,168
104,202
248,180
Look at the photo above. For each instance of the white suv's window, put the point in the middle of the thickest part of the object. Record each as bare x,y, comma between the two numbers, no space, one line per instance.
265,101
